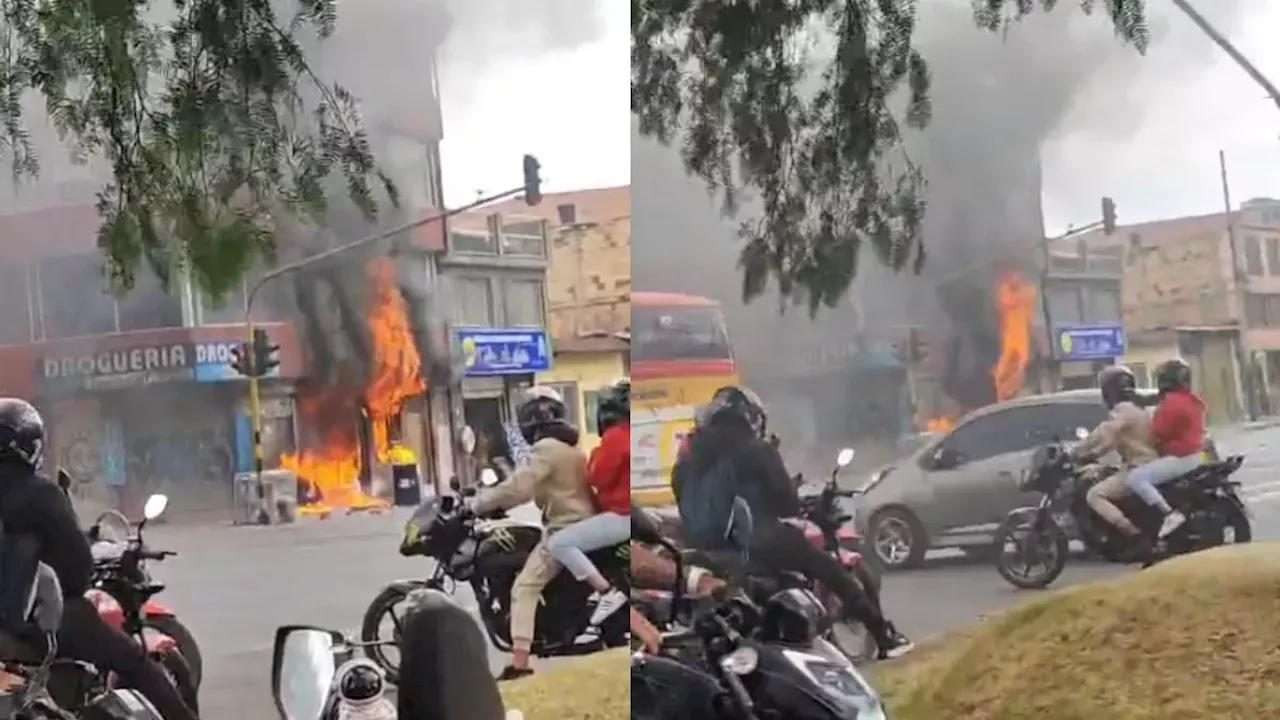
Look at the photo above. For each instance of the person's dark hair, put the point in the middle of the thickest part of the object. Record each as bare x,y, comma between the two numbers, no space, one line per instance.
613,404
21,432
1118,385
444,664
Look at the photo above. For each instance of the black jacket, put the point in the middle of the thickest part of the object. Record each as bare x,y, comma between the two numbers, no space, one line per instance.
762,476
32,505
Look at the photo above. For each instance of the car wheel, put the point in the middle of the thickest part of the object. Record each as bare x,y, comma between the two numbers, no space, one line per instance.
897,539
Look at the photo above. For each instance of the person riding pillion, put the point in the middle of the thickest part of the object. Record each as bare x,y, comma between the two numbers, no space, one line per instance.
1178,426
731,457
1127,432
554,477
609,475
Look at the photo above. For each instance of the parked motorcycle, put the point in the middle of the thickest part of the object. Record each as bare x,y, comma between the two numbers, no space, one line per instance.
120,576
1032,543
745,661
487,554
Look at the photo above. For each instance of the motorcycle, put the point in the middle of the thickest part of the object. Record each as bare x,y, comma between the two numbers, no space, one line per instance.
487,554
826,527
1033,541
109,549
741,660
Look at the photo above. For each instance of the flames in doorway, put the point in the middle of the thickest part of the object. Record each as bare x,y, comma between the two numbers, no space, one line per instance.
332,467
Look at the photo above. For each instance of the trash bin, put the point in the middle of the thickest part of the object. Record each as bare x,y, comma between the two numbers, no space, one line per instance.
406,490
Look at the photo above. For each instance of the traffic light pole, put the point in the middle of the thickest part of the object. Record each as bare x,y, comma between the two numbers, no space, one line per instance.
255,397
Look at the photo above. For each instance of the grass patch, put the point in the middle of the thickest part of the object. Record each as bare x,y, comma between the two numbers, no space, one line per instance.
593,687
1194,638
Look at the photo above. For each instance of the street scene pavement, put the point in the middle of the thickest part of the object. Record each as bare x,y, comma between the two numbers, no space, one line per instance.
234,585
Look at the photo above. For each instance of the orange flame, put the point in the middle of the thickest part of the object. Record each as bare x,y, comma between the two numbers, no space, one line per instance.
1016,304
333,468
941,423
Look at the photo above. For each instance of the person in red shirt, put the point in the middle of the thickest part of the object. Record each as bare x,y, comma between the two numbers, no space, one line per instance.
1178,430
609,475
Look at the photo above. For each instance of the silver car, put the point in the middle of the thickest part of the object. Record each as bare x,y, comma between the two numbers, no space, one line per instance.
954,489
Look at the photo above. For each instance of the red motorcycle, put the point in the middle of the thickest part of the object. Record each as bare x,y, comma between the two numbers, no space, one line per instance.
123,592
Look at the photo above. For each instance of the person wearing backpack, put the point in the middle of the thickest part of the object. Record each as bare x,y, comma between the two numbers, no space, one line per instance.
730,456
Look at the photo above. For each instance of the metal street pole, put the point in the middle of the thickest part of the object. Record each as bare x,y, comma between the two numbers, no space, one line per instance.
1250,69
255,398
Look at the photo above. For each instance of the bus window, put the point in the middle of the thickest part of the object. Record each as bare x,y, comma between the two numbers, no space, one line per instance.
682,332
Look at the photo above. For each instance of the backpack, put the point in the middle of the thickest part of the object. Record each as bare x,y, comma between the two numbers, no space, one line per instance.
706,506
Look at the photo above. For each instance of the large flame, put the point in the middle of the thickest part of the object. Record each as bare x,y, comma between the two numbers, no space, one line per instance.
1016,304
332,468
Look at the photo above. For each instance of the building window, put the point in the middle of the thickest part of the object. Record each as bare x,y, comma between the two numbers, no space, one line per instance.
228,310
524,303
1064,305
472,242
1104,305
1273,255
1272,310
15,321
524,237
473,301
1255,310
73,297
147,305
1253,256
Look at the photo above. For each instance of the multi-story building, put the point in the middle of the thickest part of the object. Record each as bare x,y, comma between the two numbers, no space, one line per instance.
1080,310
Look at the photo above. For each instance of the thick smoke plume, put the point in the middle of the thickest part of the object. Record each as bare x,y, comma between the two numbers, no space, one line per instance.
999,101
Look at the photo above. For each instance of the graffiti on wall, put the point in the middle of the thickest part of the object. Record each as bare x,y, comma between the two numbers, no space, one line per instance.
181,456
76,442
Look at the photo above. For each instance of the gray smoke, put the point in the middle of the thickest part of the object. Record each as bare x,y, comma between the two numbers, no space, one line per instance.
998,101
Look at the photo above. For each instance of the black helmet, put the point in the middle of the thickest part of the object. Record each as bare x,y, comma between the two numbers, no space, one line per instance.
361,682
1118,385
21,432
1173,374
613,404
543,410
737,403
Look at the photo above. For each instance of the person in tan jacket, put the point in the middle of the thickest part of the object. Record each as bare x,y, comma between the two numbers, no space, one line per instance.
1127,433
555,479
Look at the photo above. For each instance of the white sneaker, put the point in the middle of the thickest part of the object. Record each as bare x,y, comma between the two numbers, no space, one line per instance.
1172,522
608,604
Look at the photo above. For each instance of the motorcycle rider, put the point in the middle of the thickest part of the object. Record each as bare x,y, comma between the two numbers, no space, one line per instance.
609,475
554,476
1178,428
33,505
1127,432
733,439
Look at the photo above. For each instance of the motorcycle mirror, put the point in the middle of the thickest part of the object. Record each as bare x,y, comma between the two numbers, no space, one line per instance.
488,477
64,480
155,506
468,440
302,671
844,458
1081,433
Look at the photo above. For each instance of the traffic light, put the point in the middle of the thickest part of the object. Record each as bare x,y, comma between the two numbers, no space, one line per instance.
242,360
532,181
916,346
1108,215
264,353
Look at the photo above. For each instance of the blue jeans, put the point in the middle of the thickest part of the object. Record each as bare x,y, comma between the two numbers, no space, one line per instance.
570,544
1145,479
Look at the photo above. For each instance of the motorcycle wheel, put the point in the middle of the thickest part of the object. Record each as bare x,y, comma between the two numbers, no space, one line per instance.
1050,540
179,672
371,627
174,628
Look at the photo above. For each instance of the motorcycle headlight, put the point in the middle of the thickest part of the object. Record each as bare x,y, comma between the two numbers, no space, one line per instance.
840,682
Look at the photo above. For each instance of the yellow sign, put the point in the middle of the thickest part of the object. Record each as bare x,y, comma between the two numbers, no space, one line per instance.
1064,342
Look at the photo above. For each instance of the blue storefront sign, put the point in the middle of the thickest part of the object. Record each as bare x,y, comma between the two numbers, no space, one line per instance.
213,362
1089,342
504,352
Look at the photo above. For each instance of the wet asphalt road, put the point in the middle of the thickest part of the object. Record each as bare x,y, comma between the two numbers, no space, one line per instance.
233,586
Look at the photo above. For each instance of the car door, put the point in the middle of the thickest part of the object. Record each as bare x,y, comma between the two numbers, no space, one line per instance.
991,452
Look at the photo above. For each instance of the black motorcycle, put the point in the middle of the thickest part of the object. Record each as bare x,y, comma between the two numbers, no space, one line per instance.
1032,543
743,661
487,554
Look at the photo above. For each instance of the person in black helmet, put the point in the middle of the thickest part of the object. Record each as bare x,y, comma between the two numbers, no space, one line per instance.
732,449
1127,432
33,505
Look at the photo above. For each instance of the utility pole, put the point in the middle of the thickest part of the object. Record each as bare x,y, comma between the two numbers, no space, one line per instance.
1252,71
1238,289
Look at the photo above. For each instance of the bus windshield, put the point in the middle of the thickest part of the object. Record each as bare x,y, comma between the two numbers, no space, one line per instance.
678,332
